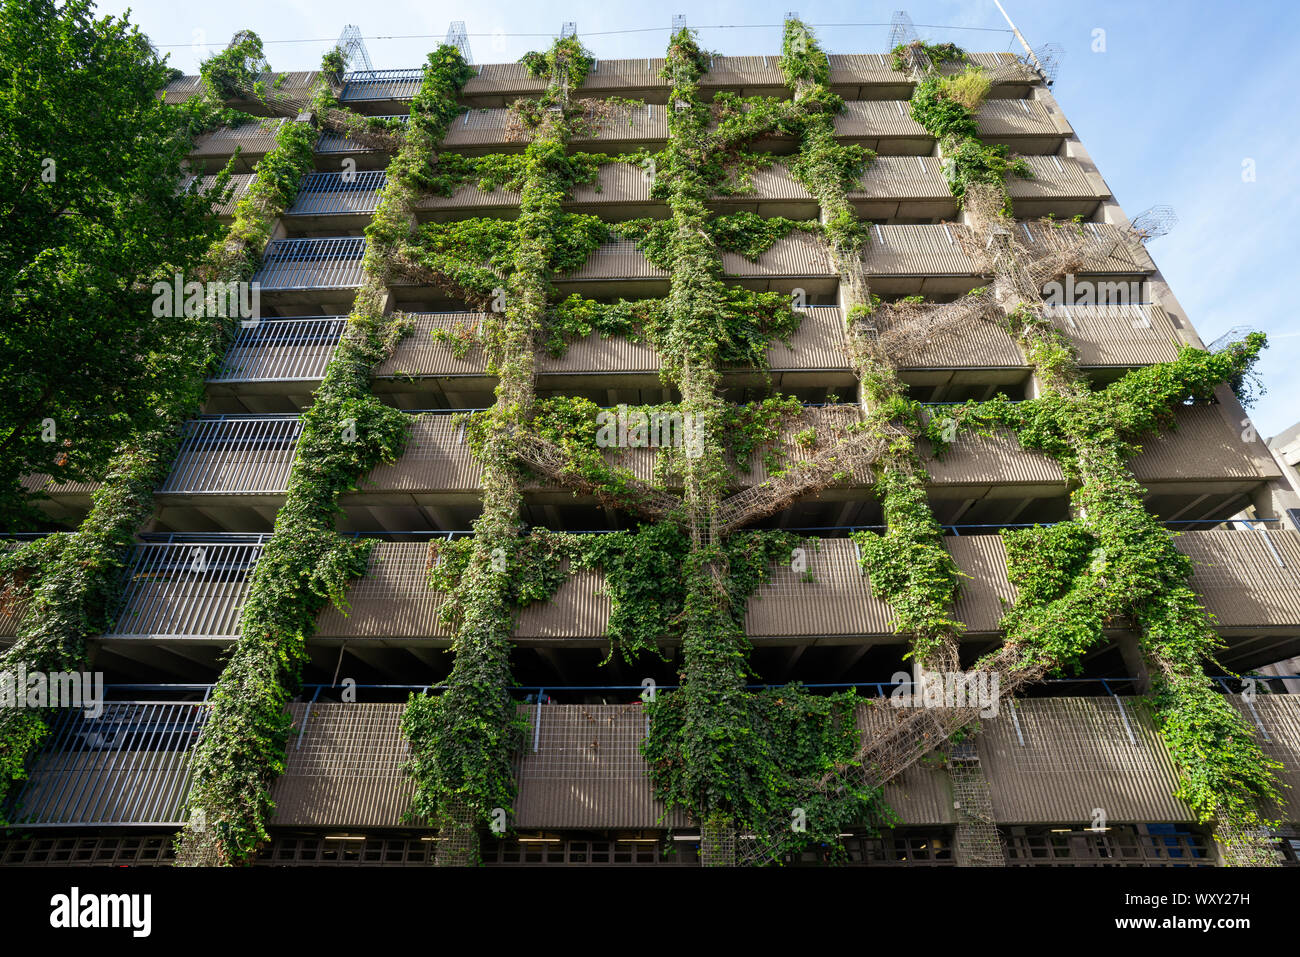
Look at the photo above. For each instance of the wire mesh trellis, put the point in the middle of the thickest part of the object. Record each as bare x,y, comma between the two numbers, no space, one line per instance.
282,350
131,765
186,589
312,263
239,454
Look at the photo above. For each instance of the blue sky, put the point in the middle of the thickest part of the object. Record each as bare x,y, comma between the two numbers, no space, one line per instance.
1183,93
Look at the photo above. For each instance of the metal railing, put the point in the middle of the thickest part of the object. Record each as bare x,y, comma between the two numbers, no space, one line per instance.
131,765
235,454
323,194
362,85
186,587
282,350
312,263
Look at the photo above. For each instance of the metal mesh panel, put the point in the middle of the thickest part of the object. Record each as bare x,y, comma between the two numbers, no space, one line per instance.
235,454
257,137
331,142
1072,735
312,263
363,85
326,193
281,350
129,766
185,589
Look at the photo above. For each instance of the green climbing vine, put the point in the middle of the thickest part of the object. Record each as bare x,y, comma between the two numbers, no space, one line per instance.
1114,561
946,106
346,432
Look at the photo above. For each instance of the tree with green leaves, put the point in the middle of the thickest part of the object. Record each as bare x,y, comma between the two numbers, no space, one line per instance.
91,196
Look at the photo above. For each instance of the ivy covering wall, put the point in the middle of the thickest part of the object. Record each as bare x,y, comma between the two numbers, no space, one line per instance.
346,432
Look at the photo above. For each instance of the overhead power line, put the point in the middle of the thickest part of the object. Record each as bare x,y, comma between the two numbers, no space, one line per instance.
609,33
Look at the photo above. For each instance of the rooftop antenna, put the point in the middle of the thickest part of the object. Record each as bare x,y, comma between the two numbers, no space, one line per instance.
354,50
458,38
569,29
1048,75
901,29
679,23
1050,56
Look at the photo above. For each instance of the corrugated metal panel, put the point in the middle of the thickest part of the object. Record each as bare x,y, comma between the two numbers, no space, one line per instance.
182,88
256,138
1203,446
579,609
903,177
921,794
131,765
587,770
597,354
239,181
345,768
492,126
819,343
615,183
331,142
437,459
743,71
1054,177
979,345
636,73
281,350
1014,118
618,260
1077,756
1280,716
393,599
284,82
827,421
1113,254
1120,335
996,460
503,78
417,354
799,254
837,602
235,455
987,592
917,251
1246,578
873,118
333,263
41,482
649,122
863,68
